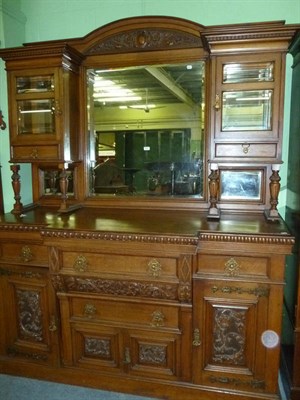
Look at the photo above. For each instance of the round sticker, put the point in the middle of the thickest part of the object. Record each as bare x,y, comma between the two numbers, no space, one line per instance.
270,339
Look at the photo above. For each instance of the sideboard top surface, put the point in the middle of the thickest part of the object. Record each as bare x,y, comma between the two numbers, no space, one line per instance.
150,222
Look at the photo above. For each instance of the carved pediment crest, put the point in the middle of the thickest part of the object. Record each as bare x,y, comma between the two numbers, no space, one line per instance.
146,39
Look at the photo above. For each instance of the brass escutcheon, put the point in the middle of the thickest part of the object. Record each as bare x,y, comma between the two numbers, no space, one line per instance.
196,338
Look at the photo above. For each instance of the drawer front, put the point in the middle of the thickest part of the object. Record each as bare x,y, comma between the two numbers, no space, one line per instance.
24,253
35,153
136,267
238,266
245,150
124,313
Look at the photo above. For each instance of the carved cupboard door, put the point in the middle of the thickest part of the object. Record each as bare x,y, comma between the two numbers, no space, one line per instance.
28,317
229,320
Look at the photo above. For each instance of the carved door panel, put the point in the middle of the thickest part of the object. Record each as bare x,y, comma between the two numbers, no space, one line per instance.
97,346
29,317
153,353
229,319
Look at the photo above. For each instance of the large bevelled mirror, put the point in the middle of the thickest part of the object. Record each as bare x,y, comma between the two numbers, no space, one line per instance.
146,127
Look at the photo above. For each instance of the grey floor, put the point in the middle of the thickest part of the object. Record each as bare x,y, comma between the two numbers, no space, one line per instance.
13,388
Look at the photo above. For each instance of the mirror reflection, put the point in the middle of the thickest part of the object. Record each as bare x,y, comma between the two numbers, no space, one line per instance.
146,129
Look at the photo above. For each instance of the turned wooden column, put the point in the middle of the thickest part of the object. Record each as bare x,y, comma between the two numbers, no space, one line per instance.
272,213
213,184
16,185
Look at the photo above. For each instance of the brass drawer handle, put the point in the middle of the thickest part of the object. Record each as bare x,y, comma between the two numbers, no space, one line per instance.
80,264
89,310
158,319
154,268
26,254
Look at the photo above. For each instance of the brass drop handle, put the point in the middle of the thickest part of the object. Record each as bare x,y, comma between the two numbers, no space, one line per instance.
217,104
52,325
196,338
127,358
245,147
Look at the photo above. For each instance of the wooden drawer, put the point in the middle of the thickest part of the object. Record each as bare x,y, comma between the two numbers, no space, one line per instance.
234,266
124,313
129,267
246,150
35,153
24,253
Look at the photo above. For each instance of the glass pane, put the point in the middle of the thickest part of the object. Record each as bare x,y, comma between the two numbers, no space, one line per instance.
35,84
147,130
247,110
36,116
249,72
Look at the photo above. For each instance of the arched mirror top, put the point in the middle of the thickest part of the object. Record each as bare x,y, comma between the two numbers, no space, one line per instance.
141,34
145,80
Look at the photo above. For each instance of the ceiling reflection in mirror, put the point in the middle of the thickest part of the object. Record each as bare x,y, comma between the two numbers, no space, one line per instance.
146,129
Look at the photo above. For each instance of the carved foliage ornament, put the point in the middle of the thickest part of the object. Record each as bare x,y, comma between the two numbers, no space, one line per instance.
146,39
229,336
30,315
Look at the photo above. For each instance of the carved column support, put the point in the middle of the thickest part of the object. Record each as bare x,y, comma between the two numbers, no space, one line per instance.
213,184
272,214
16,185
